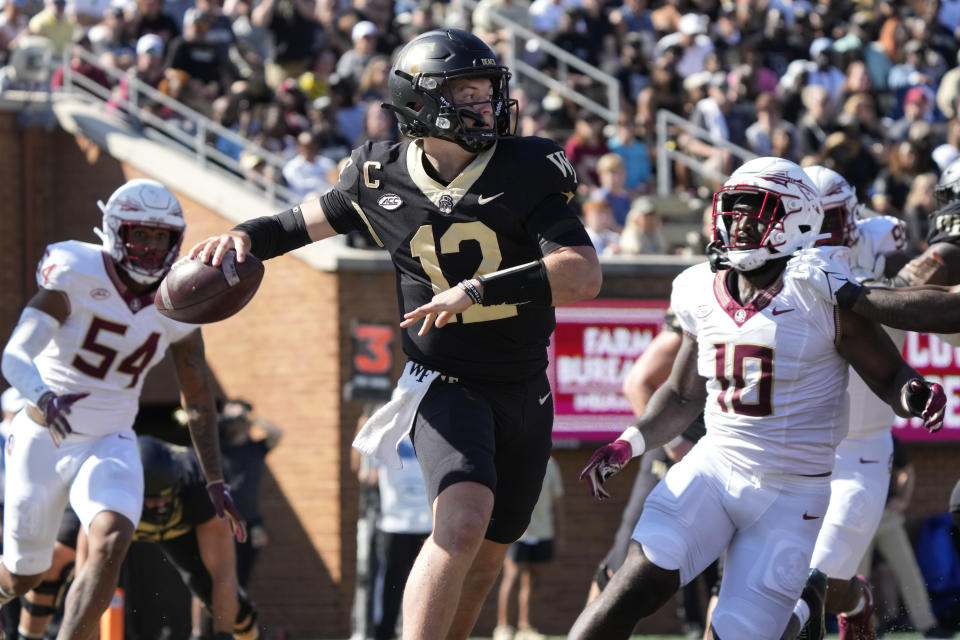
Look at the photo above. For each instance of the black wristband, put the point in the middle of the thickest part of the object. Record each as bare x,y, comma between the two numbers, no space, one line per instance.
848,294
222,635
272,236
517,285
471,290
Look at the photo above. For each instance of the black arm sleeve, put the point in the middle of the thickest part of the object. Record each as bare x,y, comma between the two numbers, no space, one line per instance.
339,212
272,236
555,225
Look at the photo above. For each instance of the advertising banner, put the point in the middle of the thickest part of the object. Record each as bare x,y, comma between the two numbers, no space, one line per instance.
938,361
596,342
591,350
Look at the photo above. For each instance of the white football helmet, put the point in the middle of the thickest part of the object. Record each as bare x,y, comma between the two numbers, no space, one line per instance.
948,187
146,203
840,206
785,213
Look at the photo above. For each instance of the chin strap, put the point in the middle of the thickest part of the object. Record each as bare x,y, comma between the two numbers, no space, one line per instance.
716,257
140,277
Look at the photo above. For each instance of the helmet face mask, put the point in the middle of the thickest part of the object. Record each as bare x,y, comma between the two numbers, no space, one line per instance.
767,210
746,218
841,208
141,203
841,223
948,186
143,257
421,92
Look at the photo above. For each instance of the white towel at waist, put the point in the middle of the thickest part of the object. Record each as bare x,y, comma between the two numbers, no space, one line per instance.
382,433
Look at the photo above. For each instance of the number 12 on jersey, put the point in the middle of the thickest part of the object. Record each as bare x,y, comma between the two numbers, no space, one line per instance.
423,246
751,365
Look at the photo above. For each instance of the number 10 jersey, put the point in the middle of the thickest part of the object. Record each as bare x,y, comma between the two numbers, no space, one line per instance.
776,384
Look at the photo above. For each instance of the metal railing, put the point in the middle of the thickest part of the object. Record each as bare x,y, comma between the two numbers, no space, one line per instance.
191,129
668,124
564,61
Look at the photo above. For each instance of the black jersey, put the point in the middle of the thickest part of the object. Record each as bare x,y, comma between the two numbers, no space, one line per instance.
191,503
508,207
945,224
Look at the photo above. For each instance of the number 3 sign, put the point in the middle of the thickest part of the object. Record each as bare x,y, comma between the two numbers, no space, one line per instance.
371,362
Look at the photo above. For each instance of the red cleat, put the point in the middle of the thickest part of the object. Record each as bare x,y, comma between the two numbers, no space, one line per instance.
859,626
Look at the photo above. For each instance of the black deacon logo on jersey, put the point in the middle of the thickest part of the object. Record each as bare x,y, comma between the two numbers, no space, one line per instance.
445,203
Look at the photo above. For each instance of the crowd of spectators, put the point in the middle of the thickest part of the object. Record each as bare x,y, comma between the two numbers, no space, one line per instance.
867,87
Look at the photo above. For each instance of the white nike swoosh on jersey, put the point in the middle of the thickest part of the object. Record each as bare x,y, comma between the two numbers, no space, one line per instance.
481,201
544,398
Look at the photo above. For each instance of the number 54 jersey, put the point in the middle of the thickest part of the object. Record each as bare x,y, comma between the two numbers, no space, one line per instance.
108,342
507,207
776,384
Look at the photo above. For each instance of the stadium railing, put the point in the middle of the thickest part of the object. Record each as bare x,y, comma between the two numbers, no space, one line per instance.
192,130
669,126
520,35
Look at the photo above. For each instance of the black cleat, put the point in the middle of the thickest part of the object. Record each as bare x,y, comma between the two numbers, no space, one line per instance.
814,594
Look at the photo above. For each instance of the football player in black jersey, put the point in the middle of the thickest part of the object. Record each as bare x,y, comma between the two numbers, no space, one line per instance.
179,517
484,244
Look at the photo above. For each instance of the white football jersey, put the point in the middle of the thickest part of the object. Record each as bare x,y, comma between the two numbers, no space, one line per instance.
108,342
869,415
776,384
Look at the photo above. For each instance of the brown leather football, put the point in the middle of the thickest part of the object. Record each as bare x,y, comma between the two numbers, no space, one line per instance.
198,293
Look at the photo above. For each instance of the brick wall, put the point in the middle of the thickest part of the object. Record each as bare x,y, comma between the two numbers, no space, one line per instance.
288,353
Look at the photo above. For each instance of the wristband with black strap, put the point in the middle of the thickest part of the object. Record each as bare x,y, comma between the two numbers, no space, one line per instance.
471,290
272,236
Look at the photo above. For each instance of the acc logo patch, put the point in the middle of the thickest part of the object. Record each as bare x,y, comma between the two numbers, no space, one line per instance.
99,294
390,201
703,311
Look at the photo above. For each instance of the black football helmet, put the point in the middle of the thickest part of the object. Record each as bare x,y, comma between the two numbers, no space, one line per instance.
161,474
421,99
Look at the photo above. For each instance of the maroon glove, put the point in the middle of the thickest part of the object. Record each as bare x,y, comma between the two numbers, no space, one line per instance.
605,462
925,400
220,497
55,410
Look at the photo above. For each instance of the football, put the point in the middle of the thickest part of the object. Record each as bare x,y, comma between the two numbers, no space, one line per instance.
198,293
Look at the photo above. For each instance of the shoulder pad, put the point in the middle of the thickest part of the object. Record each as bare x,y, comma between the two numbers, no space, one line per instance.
547,163
887,234
945,224
370,151
685,294
62,262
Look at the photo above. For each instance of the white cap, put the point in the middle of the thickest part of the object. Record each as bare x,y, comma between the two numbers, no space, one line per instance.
944,155
692,24
697,80
363,29
11,400
150,42
820,45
